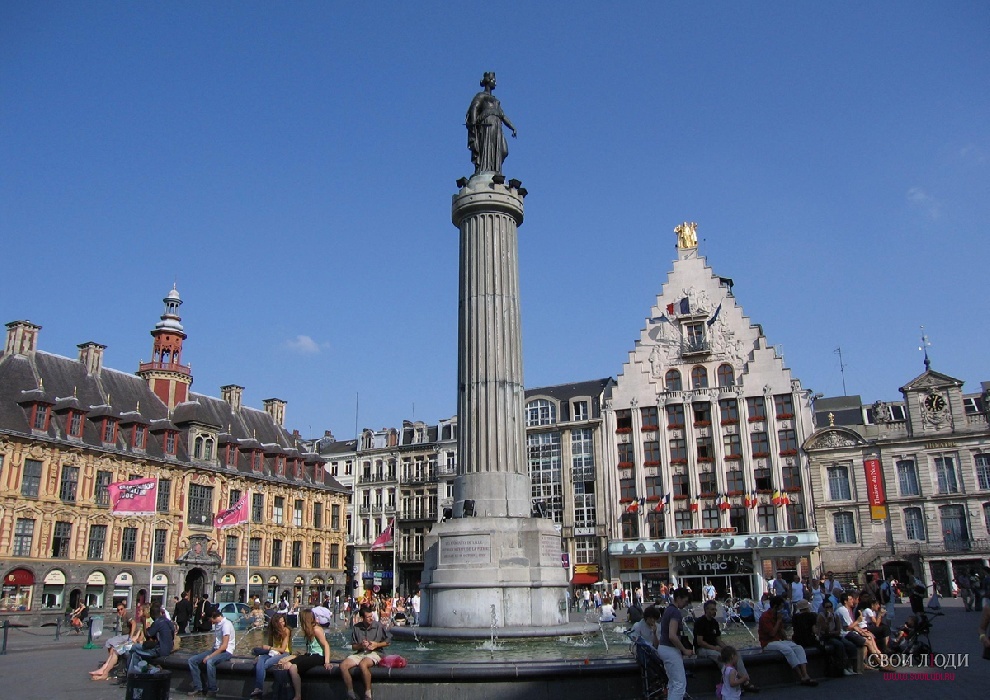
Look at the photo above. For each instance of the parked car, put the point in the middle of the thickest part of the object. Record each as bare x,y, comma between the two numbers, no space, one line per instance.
237,613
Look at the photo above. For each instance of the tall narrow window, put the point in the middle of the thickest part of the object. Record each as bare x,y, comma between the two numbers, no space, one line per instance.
766,518
257,507
164,495
69,483
23,537
672,380
983,471
200,505
75,424
838,484
760,443
161,535
128,544
683,520
630,526
914,524
60,540
656,526
140,436
40,418
254,551
739,519
845,528
725,376
795,517
276,552
945,470
732,445
296,554
699,378
334,517
907,478
31,478
334,555
230,550
316,556
728,410
675,416
318,516
101,490
97,542
278,511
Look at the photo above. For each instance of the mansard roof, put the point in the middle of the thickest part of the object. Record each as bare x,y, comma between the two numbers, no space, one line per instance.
565,392
115,394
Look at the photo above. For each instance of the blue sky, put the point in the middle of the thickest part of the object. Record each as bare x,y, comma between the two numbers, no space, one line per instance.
290,166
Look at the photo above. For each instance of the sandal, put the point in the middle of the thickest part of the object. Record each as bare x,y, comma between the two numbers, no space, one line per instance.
810,682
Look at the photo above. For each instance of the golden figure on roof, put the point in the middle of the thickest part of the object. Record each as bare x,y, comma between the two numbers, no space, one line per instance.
687,235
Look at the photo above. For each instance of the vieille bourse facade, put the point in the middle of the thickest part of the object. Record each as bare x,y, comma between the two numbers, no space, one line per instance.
70,427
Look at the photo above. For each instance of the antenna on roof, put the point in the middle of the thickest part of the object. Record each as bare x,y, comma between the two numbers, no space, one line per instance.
925,344
842,370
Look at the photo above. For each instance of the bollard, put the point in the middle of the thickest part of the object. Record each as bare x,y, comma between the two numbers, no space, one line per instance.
58,628
3,648
89,634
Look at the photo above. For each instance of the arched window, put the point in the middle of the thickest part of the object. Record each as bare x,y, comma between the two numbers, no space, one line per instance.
699,378
673,380
208,448
725,376
540,412
198,448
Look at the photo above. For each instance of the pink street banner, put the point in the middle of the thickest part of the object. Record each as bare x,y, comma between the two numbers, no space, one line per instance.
235,515
134,497
385,538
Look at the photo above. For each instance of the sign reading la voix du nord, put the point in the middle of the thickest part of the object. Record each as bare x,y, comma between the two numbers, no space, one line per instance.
715,544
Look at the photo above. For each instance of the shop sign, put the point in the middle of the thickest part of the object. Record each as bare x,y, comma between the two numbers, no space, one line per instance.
227,579
584,531
643,564
160,579
704,544
786,564
96,579
874,489
715,564
629,564
586,569
55,578
123,580
711,531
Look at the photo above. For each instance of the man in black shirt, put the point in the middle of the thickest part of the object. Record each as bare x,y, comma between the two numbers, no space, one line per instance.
183,612
708,642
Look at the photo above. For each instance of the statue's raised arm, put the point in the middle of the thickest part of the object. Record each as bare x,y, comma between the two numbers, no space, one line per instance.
484,126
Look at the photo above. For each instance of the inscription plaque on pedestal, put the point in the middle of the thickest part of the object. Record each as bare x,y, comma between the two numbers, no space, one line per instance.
466,549
549,550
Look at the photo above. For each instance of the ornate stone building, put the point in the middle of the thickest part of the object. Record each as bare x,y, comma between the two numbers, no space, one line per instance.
906,483
71,427
705,476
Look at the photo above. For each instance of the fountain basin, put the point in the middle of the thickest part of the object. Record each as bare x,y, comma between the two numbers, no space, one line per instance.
571,629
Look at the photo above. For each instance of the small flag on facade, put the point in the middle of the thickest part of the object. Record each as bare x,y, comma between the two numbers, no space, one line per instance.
633,507
235,515
693,507
714,317
134,497
385,538
776,498
670,308
660,319
685,306
754,501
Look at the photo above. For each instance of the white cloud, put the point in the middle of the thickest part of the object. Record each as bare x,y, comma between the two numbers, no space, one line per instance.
304,345
924,201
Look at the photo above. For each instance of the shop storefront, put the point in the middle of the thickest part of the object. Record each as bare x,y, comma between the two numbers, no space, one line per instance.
256,588
159,589
18,589
272,595
228,589
122,589
96,584
53,590
585,575
737,565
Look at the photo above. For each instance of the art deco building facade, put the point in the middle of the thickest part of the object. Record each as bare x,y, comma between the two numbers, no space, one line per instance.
71,427
706,479
904,483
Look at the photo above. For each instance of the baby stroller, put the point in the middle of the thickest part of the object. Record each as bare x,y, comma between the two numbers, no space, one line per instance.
652,671
915,640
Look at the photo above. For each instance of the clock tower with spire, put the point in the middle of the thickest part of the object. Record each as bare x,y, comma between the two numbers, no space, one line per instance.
165,374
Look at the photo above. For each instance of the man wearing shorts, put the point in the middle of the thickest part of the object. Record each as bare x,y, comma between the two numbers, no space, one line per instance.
367,637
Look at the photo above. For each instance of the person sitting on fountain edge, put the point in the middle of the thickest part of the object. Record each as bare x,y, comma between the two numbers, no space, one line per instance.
708,643
367,637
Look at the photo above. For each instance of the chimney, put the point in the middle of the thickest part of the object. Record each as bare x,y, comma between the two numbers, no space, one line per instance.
91,355
276,409
232,393
22,337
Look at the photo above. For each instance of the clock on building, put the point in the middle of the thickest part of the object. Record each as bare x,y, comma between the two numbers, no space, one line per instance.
934,403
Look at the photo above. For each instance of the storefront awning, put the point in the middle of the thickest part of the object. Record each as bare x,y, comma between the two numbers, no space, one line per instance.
19,577
584,579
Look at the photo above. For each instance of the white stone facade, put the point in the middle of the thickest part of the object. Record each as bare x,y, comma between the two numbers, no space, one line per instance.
703,434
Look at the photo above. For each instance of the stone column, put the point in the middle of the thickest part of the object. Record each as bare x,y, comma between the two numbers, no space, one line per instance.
492,467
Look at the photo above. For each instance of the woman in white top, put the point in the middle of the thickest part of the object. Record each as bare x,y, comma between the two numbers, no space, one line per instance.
646,629
606,613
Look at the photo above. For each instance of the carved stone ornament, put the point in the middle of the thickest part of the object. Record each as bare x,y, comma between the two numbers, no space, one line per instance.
880,412
831,440
202,552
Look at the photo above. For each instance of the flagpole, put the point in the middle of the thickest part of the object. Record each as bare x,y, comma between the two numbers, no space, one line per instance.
151,574
248,543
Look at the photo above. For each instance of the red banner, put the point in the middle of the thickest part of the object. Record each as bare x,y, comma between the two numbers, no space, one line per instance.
874,482
135,497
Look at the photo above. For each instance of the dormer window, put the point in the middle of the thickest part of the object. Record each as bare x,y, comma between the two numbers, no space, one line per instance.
109,430
257,460
74,424
139,438
297,468
203,447
230,455
540,412
40,414
280,465
170,442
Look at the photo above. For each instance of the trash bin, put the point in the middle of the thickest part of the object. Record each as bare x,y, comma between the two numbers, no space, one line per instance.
148,686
